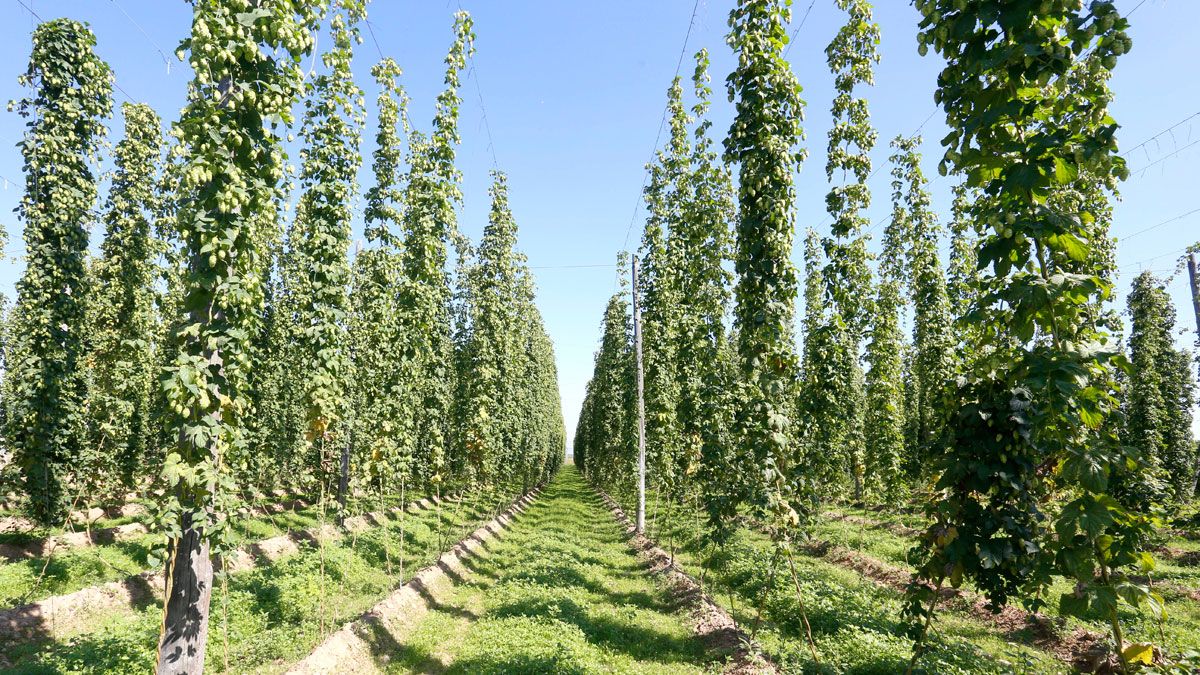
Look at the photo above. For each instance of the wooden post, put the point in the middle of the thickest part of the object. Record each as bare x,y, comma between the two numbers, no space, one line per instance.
641,404
184,631
344,468
343,482
183,635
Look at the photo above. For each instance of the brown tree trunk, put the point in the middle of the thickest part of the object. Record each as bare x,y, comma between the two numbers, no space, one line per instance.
185,615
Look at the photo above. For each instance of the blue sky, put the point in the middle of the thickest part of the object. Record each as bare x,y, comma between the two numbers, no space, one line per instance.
574,93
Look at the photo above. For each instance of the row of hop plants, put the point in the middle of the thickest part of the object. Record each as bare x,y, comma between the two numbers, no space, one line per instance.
1039,444
223,343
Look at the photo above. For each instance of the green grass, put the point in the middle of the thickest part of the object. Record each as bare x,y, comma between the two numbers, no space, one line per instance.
560,593
855,622
1179,634
272,615
70,571
75,568
23,537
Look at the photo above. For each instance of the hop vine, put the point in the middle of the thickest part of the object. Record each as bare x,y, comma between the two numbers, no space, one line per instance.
46,386
124,313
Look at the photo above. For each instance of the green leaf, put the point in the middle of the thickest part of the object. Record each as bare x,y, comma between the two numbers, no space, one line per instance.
248,19
1070,245
1065,172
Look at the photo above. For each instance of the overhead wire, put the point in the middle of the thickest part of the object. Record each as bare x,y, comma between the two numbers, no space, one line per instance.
792,39
473,74
30,10
1165,222
1155,257
371,31
1160,160
123,92
149,39
661,124
1164,131
487,127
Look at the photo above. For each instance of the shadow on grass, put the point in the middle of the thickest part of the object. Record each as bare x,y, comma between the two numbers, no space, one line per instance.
520,664
412,657
438,606
385,649
637,641
125,652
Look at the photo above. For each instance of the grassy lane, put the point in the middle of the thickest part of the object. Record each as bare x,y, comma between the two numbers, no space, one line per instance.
559,593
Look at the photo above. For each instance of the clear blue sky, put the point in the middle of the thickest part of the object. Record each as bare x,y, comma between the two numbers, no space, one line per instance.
574,93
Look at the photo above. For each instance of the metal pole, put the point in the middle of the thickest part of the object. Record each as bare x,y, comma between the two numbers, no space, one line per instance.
1194,281
1195,291
641,404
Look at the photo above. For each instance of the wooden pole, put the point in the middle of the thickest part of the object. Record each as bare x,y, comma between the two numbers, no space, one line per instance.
184,632
183,635
343,482
344,468
641,404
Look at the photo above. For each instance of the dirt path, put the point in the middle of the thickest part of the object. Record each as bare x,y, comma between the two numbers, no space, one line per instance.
715,628
560,592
